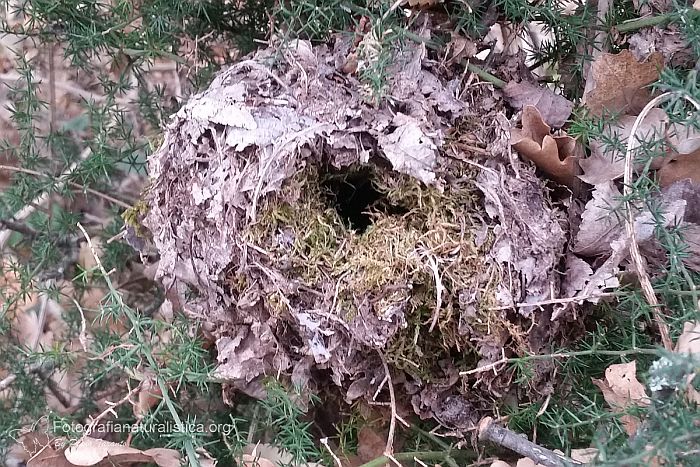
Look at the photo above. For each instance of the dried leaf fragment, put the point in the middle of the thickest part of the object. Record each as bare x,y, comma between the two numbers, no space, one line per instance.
689,343
92,452
459,48
621,389
689,340
680,167
608,163
409,150
554,108
555,155
621,83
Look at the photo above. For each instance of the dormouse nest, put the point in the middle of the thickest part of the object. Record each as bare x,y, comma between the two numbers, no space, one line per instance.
318,234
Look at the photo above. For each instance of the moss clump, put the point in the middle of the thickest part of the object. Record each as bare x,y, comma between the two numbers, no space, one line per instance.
402,247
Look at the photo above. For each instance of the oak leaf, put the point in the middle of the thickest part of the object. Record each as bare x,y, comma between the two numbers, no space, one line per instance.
621,83
557,156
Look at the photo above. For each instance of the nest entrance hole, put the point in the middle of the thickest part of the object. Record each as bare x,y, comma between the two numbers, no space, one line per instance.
354,195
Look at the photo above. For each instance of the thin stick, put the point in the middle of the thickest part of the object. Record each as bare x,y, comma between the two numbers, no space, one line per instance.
490,431
635,254
486,76
324,442
109,410
551,356
389,450
73,184
555,301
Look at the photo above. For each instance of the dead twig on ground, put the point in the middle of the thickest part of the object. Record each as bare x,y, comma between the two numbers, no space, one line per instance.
389,450
489,430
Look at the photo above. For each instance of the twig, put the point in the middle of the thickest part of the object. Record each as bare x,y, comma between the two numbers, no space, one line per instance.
486,76
109,410
490,431
389,450
73,184
439,288
7,381
324,442
555,301
20,228
551,356
27,210
648,21
635,254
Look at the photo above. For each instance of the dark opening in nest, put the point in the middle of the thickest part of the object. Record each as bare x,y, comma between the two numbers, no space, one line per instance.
354,195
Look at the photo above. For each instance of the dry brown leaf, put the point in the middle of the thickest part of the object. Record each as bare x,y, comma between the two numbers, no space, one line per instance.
370,443
97,452
621,388
459,48
148,396
586,455
606,165
599,225
266,455
621,83
689,342
555,155
49,456
409,149
554,108
680,167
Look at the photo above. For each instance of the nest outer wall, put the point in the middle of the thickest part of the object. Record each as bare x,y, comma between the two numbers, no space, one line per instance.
248,210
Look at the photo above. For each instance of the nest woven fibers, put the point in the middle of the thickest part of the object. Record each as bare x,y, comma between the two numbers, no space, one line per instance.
320,236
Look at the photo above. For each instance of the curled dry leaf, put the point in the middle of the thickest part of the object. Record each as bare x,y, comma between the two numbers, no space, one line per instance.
554,108
554,155
459,48
621,83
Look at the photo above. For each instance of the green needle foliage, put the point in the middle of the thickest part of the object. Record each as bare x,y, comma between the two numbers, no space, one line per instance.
114,46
